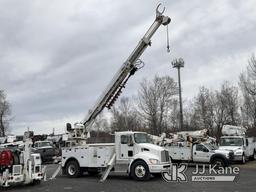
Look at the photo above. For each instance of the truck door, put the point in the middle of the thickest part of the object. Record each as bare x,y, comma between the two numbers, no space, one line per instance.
126,147
200,153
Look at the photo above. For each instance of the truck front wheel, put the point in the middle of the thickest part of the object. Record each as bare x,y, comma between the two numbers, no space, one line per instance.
218,162
73,169
140,171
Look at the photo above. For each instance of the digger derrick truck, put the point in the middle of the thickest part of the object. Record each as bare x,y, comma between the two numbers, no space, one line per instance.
132,152
20,167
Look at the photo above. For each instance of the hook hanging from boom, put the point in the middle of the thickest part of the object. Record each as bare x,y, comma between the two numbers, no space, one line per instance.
159,13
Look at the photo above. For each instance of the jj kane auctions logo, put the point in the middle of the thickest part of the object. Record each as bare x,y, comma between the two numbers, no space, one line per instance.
207,173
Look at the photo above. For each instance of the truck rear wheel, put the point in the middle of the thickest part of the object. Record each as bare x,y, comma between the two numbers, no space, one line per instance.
73,169
253,156
140,171
218,162
36,182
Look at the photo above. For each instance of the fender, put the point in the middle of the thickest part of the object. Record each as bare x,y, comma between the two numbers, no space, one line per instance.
221,156
64,163
144,156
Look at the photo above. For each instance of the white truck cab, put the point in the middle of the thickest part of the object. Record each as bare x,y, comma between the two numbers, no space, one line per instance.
131,153
242,146
234,138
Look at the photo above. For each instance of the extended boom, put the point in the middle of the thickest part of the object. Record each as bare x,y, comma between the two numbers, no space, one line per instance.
130,66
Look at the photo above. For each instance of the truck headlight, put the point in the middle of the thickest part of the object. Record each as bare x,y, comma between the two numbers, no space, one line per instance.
154,161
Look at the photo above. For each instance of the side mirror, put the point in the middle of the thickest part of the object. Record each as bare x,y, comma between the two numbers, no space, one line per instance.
247,142
205,150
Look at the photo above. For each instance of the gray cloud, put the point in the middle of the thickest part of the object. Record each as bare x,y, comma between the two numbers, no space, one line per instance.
57,57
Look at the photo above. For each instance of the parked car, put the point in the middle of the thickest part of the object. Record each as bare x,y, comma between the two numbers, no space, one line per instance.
46,150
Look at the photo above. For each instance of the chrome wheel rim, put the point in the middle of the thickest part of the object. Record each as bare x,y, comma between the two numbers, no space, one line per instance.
71,170
140,171
218,163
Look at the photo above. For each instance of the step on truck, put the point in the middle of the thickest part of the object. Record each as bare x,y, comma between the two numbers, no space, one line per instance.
234,138
132,153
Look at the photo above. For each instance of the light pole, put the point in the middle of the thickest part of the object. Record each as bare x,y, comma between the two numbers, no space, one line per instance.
178,63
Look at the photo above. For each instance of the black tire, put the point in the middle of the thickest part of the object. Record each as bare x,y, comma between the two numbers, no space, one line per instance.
254,155
72,169
218,162
36,182
140,171
243,161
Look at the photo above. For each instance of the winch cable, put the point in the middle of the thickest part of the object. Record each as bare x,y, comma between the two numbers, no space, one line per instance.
167,39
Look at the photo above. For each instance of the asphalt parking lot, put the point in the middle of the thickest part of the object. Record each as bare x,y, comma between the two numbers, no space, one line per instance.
246,181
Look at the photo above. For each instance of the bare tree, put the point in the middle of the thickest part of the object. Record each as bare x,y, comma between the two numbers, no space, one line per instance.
226,107
125,116
4,113
247,84
250,84
100,129
202,110
248,108
101,124
155,101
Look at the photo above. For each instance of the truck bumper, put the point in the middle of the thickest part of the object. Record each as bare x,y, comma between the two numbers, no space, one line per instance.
37,176
237,158
159,168
10,180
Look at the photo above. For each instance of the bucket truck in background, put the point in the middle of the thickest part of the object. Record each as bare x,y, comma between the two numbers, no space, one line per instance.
234,138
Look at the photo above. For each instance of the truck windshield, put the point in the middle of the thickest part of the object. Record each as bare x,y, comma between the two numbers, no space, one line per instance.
44,144
211,147
141,138
231,142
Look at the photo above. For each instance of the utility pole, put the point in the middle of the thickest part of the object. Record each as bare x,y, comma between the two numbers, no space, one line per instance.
178,63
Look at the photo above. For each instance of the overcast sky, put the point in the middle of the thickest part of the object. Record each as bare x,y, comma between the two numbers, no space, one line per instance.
57,56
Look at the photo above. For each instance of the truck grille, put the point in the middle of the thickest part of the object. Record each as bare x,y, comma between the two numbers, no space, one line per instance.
165,156
231,155
16,169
